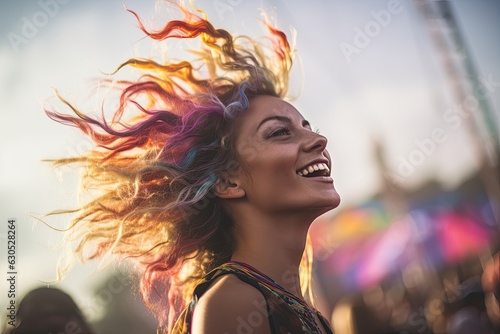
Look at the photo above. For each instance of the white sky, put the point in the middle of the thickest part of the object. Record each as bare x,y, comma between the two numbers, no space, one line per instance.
393,90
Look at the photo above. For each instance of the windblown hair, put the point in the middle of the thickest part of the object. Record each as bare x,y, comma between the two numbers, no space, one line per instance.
155,172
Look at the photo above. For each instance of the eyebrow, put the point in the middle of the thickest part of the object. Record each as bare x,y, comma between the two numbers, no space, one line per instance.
282,119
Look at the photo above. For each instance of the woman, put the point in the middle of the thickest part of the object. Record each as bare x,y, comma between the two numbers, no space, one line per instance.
209,179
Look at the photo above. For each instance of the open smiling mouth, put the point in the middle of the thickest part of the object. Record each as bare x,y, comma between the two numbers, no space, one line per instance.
313,170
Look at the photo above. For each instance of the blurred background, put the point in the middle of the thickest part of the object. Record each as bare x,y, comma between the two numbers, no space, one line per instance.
407,92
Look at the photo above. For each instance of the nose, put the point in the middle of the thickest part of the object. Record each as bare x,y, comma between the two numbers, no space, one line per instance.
314,142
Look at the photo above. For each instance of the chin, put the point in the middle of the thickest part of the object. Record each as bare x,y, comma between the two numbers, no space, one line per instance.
325,205
331,203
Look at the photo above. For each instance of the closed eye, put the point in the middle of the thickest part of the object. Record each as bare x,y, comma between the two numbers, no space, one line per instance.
280,132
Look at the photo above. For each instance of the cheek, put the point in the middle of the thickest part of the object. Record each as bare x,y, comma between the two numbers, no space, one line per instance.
272,169
267,166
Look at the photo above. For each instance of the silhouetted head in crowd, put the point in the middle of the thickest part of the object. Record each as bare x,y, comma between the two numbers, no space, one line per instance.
491,285
49,311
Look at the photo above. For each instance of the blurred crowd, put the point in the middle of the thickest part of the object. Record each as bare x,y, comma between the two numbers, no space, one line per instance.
462,303
453,305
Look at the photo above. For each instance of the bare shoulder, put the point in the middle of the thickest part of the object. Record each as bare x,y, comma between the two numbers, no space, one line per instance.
231,306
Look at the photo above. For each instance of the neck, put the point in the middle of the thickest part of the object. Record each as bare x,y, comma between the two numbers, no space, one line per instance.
273,246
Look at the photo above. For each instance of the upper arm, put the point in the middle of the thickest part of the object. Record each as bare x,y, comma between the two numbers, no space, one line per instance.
231,306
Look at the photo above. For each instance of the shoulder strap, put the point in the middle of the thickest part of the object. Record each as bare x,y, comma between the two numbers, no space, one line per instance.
325,323
219,272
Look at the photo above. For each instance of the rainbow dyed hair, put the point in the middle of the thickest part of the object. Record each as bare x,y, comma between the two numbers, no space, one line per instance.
155,171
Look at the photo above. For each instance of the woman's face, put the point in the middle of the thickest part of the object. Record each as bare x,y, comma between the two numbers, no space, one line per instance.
284,164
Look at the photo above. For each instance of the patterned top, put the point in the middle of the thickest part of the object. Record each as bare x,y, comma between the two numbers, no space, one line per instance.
286,313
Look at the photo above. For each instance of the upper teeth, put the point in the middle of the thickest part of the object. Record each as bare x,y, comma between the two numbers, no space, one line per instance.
312,168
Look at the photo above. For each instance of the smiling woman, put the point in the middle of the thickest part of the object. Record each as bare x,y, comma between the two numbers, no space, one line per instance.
211,185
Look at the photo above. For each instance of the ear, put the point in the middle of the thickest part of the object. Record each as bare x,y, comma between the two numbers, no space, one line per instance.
227,189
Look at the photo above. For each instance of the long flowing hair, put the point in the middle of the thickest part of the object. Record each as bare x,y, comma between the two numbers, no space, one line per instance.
157,159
